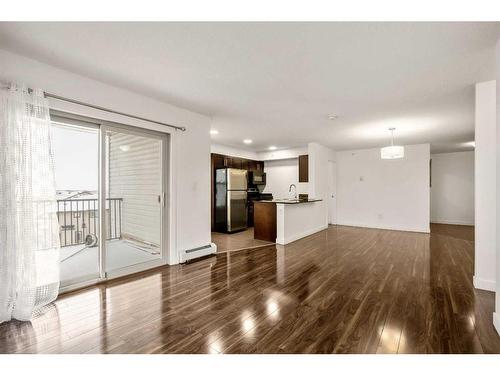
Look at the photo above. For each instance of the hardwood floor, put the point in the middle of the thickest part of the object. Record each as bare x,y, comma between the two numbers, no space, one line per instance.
342,290
236,241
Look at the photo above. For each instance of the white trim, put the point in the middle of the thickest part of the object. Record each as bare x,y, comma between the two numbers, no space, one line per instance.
134,268
298,236
174,253
170,253
113,274
64,288
401,229
496,322
484,284
452,222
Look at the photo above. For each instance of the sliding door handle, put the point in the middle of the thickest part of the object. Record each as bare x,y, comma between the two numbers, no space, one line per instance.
162,198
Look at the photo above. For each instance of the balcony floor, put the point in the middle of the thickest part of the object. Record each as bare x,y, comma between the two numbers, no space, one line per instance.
120,253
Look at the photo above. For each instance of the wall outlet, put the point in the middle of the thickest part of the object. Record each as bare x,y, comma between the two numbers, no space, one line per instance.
380,216
361,178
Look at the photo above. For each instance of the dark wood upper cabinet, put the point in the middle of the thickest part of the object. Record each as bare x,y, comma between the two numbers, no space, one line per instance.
303,168
218,161
236,163
225,161
252,165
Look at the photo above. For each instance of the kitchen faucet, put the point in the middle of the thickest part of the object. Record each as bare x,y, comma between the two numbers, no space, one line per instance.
295,190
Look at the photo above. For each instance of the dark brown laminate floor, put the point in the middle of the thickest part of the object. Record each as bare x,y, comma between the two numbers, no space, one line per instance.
236,241
342,290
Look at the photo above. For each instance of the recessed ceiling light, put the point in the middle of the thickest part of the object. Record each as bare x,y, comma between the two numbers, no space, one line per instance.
272,148
213,132
332,117
247,141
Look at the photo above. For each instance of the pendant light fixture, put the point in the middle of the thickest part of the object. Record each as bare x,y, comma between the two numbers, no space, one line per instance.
392,152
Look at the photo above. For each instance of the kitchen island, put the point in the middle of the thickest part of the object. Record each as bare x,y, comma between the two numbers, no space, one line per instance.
287,220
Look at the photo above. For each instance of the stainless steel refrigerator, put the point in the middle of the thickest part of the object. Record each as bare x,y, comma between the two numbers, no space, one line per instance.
230,199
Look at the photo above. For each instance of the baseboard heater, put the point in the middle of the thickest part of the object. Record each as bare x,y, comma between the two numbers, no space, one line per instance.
198,252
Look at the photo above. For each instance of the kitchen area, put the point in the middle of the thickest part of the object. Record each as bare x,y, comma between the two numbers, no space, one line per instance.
257,203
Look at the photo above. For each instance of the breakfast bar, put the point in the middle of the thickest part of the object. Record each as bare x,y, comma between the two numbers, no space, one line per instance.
287,220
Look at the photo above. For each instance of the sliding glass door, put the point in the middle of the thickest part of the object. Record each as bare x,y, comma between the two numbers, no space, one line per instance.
75,149
111,184
134,198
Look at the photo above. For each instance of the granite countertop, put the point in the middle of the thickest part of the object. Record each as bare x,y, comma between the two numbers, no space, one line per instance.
291,201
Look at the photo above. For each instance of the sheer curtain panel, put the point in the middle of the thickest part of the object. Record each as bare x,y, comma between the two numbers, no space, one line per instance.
29,231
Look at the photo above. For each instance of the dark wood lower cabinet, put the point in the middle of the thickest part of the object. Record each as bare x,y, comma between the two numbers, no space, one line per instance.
264,221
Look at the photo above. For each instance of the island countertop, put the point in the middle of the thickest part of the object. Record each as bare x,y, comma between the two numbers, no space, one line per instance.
290,201
285,220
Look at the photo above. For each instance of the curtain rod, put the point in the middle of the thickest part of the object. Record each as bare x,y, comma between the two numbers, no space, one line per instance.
54,96
57,97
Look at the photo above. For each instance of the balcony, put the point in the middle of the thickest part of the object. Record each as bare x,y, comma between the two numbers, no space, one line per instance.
79,218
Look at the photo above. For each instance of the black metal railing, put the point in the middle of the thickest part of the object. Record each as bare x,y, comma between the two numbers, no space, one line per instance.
80,217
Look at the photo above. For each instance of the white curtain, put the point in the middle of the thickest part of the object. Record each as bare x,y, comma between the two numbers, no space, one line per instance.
29,231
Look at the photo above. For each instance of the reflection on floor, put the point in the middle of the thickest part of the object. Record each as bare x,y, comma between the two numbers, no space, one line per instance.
236,241
341,290
76,264
465,232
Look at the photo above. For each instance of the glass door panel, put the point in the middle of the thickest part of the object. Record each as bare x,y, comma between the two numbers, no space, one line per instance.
75,148
134,198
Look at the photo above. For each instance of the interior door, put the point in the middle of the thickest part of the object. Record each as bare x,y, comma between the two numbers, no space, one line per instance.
134,200
332,192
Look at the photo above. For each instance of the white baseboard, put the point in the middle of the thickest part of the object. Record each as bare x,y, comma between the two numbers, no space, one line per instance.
298,236
452,222
496,321
484,284
387,227
198,252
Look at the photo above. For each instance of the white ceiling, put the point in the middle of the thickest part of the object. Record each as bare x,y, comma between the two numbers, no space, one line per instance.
276,82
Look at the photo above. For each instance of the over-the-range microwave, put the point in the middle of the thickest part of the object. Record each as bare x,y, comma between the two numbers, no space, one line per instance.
257,178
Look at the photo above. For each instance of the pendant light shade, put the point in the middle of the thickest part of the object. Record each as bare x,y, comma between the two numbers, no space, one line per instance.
392,152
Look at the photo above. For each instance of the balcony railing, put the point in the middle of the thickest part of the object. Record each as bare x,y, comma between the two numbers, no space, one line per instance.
80,217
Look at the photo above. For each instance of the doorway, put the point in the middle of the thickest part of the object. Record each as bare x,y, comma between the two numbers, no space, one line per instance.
111,196
332,192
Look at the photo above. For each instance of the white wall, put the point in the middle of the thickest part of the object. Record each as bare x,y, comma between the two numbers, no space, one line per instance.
280,174
289,153
452,190
190,184
390,194
282,154
233,151
319,156
485,186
